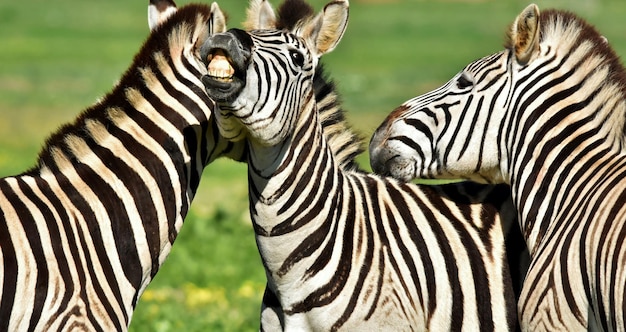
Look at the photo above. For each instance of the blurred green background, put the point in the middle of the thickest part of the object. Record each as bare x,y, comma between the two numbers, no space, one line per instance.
58,57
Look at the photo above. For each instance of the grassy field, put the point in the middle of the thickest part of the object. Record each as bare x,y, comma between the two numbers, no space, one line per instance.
58,57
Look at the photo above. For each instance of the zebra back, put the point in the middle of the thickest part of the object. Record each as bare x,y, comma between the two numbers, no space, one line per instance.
547,116
344,249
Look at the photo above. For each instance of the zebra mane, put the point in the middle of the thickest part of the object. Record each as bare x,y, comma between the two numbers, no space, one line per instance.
341,138
291,12
572,30
566,25
173,30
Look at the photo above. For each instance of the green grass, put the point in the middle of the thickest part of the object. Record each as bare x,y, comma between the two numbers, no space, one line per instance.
56,58
213,279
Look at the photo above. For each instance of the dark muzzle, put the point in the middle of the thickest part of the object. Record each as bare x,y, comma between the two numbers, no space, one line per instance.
226,56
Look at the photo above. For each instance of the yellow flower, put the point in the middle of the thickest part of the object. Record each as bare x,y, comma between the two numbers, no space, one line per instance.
250,290
197,297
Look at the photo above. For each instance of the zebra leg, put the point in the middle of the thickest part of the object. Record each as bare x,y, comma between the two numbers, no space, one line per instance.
272,316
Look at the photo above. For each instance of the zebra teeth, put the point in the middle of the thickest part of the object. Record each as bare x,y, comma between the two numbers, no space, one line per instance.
219,67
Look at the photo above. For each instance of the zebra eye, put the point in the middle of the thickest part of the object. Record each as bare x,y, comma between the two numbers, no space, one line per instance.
297,57
463,82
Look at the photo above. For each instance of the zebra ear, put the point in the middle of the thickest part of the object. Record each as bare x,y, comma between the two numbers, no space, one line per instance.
259,15
327,28
159,11
524,34
218,19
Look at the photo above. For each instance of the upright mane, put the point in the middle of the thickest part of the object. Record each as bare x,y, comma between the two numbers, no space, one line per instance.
345,143
565,29
291,12
178,28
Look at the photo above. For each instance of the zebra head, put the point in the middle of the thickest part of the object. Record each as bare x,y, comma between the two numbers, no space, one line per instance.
262,78
557,81
455,130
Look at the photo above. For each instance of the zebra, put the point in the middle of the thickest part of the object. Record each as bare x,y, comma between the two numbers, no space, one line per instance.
343,249
85,230
545,116
143,145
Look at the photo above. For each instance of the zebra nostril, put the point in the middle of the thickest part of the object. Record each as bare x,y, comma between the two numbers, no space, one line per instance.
235,50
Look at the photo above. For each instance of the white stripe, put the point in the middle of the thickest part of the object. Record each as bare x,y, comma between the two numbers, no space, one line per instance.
104,224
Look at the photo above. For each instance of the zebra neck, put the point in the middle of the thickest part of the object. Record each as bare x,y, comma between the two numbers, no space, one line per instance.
284,176
288,210
131,165
553,137
548,187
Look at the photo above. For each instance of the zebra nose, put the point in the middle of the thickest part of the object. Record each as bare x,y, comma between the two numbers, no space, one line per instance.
226,56
375,150
235,44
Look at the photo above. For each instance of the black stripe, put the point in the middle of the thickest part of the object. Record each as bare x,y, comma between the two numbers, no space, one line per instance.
35,246
448,255
141,201
10,265
457,128
152,163
66,271
94,233
32,232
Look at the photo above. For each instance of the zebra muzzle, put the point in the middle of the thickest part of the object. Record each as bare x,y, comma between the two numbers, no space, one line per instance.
226,56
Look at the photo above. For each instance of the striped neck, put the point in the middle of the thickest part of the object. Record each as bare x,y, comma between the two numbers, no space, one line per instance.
131,163
557,130
303,163
136,161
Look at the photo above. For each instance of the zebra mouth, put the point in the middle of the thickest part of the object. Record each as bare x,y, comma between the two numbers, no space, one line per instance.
219,67
222,82
226,56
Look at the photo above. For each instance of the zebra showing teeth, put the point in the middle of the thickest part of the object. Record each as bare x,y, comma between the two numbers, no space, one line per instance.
219,67
343,249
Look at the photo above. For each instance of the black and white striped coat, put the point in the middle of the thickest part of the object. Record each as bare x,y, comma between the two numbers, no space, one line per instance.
547,116
138,170
84,231
343,249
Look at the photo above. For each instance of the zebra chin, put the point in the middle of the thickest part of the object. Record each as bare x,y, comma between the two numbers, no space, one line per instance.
221,91
397,167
